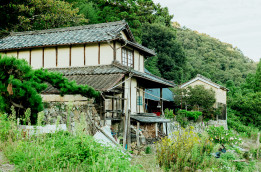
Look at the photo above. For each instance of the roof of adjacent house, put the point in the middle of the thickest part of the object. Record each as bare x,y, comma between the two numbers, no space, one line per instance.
103,77
154,93
203,79
71,36
149,118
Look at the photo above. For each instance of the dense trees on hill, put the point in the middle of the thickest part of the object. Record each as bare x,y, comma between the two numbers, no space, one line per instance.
170,55
210,57
23,15
245,99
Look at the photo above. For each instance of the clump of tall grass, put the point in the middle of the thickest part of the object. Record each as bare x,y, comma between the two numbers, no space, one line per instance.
59,151
185,150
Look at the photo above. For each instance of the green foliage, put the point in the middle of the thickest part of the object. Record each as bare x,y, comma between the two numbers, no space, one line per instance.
169,113
182,120
212,58
185,149
235,122
148,150
222,136
196,97
18,15
170,56
191,115
59,151
27,84
135,12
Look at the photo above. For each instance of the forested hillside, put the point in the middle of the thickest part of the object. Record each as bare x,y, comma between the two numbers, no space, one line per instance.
212,58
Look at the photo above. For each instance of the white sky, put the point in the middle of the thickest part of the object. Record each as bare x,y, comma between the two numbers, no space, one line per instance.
237,22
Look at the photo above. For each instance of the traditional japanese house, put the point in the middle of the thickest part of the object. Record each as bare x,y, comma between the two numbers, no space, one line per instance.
104,56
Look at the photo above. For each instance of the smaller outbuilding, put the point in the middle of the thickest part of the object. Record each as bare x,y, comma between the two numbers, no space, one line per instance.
220,92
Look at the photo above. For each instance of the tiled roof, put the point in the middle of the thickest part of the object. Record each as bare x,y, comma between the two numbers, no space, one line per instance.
103,77
203,79
98,82
70,36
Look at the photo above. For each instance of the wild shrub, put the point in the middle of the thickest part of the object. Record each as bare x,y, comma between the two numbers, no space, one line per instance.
169,113
191,115
184,149
222,136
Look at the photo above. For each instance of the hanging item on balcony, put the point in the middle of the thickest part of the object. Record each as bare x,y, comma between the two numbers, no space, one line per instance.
159,106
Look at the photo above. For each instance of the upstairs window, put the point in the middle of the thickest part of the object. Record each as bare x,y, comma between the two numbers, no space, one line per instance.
127,57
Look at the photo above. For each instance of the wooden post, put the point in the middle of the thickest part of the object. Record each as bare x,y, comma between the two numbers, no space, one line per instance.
166,128
126,123
104,112
138,135
258,145
129,132
161,102
156,129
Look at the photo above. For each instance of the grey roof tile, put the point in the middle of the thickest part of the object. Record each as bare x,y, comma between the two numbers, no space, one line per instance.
69,36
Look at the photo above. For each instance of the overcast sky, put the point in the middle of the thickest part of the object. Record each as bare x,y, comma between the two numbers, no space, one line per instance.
237,22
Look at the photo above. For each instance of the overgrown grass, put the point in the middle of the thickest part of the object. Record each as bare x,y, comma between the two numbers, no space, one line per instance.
60,151
188,151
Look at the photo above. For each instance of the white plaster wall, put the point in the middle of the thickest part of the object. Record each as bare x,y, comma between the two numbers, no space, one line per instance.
91,54
136,60
106,54
77,56
37,58
141,63
133,95
118,52
127,93
24,54
124,35
220,94
63,56
49,58
11,53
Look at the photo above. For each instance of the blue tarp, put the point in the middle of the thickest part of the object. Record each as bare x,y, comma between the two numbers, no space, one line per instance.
166,93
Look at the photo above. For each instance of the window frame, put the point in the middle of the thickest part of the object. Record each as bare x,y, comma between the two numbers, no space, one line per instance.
128,58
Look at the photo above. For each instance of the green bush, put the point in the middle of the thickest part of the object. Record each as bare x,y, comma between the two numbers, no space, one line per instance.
222,136
169,113
185,149
191,115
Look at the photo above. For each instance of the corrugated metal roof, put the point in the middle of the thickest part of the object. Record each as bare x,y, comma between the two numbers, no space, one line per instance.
70,36
167,94
149,119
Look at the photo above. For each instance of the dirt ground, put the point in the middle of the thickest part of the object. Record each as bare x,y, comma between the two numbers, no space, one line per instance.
4,165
